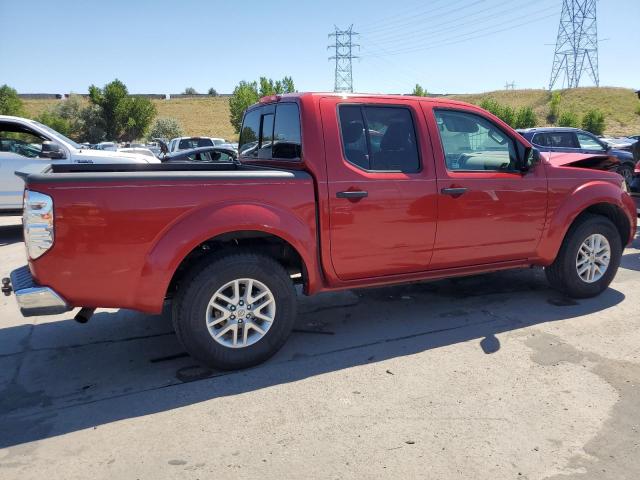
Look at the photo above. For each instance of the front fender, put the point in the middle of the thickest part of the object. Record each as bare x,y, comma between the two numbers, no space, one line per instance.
200,225
576,202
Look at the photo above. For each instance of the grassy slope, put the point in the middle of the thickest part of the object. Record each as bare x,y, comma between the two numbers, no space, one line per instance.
200,116
618,104
210,116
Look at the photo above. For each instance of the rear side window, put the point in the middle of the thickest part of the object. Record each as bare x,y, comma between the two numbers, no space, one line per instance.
379,138
555,140
187,143
286,133
272,132
249,134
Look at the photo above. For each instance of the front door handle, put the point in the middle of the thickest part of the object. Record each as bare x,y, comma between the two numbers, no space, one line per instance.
454,191
352,194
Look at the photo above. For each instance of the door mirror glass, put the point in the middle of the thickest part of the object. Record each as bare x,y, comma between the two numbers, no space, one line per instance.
51,150
531,158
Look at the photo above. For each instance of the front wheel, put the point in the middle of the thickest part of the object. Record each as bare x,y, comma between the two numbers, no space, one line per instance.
236,312
588,259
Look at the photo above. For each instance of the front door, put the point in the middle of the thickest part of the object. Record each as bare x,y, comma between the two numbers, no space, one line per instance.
488,210
381,186
20,150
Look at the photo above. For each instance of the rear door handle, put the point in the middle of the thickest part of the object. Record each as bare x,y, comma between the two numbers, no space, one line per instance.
352,194
454,192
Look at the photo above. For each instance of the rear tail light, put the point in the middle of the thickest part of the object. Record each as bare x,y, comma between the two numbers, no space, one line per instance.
37,221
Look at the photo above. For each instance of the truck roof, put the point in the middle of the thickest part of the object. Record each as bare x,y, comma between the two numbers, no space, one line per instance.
384,96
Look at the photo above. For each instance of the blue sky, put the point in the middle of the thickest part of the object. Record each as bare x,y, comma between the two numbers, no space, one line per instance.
453,46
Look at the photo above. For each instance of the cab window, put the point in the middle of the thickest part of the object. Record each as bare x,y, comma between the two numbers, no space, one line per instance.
380,139
20,140
271,132
473,143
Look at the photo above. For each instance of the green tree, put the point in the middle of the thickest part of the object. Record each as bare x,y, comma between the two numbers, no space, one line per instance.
244,95
525,118
593,121
190,91
288,85
135,114
418,91
10,103
166,128
554,107
124,117
247,93
93,127
55,121
213,92
568,119
108,99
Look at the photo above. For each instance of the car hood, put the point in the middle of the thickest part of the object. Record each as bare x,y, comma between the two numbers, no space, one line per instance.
581,160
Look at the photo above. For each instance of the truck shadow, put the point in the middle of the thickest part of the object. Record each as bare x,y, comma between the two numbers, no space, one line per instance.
10,234
60,377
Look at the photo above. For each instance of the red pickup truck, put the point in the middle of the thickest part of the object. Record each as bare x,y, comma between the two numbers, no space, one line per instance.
331,192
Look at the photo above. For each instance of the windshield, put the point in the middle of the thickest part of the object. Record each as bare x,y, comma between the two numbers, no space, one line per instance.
58,135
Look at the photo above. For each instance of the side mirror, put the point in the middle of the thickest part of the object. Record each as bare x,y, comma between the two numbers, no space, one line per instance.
531,159
51,150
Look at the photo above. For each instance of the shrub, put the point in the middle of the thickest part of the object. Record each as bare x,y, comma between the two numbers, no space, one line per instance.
10,103
166,128
504,112
526,118
55,121
593,121
568,119
554,107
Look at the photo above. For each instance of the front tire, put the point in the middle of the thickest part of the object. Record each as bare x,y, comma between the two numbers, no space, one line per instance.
588,259
236,311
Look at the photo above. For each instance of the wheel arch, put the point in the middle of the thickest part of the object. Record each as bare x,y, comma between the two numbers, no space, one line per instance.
209,230
596,198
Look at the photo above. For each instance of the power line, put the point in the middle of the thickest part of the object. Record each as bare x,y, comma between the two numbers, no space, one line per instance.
424,32
412,11
576,44
343,56
456,38
417,18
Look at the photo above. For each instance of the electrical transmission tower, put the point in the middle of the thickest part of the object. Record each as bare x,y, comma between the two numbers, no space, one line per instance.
343,55
577,44
510,86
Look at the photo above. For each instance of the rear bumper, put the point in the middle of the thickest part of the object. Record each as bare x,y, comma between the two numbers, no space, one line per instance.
34,299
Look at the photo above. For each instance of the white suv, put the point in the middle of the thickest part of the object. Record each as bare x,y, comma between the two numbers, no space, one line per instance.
29,146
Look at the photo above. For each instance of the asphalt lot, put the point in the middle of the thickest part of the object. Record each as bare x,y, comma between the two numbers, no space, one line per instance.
486,377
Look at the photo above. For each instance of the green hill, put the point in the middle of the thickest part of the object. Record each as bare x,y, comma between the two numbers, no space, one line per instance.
619,105
210,116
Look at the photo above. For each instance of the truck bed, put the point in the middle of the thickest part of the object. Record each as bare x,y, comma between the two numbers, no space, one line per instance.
142,220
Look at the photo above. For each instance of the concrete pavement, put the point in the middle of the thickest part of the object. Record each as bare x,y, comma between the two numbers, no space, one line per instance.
487,377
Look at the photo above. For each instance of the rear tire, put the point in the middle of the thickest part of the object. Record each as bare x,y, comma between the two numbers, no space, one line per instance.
573,271
206,303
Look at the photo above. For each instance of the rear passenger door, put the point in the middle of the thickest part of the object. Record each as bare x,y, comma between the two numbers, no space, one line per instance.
382,189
